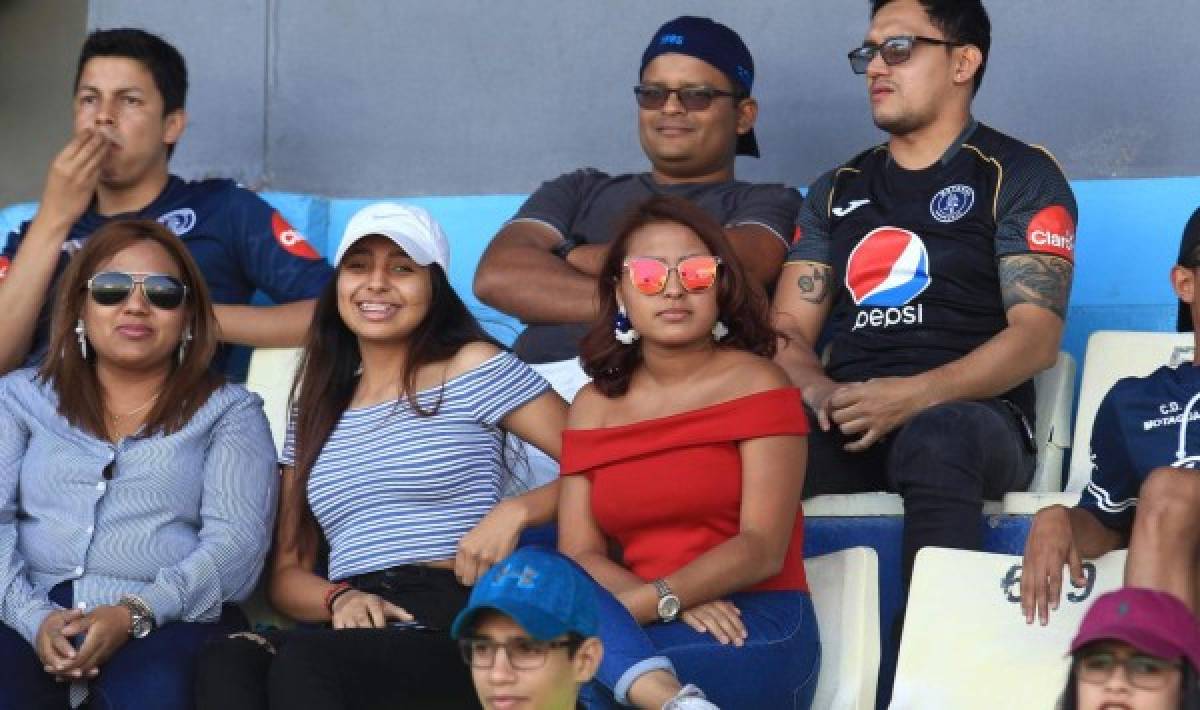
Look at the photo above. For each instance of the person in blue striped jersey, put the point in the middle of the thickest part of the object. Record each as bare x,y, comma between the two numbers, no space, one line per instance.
137,488
395,461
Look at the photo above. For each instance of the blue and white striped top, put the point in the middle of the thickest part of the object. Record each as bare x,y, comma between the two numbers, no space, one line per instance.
185,522
391,487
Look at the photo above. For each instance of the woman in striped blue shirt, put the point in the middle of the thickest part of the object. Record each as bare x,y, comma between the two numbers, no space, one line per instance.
137,489
395,461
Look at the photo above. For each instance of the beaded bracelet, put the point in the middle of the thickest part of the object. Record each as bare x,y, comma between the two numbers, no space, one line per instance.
334,592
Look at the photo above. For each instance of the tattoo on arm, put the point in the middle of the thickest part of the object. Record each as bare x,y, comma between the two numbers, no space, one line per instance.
814,283
1039,280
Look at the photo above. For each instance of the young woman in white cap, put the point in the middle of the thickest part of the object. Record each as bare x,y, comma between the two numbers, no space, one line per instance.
393,464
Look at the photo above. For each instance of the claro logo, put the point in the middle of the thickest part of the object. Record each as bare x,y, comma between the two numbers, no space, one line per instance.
1052,231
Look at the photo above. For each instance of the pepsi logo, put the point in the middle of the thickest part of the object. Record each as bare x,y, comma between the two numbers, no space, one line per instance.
292,241
4,262
179,221
1052,231
951,204
889,267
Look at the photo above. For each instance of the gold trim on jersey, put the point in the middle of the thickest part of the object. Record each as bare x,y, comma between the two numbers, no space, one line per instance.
999,177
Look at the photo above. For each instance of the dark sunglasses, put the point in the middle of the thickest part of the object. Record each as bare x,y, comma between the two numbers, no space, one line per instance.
108,288
693,98
893,50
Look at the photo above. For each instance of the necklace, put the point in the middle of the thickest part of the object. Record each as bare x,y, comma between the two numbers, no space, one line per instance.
116,418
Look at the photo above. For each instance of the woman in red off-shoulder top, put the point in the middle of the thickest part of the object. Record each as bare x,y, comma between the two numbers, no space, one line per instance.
687,453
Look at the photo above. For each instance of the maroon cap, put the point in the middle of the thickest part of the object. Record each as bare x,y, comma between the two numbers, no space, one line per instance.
1151,621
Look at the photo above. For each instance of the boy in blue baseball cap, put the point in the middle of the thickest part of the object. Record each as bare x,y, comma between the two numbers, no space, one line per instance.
541,610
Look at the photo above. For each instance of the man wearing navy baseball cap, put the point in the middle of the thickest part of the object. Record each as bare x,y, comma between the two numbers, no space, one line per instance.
538,608
939,264
695,114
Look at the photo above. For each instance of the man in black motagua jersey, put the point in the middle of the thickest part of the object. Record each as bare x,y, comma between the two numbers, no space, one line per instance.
939,264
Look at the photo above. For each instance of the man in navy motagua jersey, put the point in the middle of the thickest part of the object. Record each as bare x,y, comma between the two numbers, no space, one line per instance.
128,106
938,265
1144,492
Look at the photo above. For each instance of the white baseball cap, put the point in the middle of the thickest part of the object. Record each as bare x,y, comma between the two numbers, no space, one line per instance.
411,228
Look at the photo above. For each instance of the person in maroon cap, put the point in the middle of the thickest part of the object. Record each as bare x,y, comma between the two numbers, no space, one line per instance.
1137,649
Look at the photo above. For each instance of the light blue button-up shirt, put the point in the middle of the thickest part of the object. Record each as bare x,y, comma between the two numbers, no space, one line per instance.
184,523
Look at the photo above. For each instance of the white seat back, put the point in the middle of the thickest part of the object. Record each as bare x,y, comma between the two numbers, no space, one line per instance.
270,377
1112,355
1055,397
845,592
965,643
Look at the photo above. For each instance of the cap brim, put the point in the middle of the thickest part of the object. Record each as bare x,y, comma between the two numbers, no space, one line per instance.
537,623
415,250
1135,636
747,144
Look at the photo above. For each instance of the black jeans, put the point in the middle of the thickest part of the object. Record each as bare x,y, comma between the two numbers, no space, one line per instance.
319,667
944,462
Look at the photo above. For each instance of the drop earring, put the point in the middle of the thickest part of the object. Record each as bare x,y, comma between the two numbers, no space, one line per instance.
719,331
623,330
81,335
183,343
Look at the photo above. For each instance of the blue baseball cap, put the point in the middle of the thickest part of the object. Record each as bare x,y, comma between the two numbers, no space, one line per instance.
540,590
714,43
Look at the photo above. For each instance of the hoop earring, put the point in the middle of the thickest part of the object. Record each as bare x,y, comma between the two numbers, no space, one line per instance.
81,336
623,330
183,343
719,331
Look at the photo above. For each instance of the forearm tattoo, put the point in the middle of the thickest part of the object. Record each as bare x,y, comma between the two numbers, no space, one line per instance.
814,283
1040,280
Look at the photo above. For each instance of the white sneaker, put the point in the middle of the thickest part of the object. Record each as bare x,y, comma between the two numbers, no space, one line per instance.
689,697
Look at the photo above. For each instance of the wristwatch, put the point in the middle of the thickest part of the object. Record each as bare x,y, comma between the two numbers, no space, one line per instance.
567,244
141,616
668,603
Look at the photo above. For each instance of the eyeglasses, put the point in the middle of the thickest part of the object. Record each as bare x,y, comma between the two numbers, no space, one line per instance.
649,274
108,288
1145,672
523,654
893,50
693,98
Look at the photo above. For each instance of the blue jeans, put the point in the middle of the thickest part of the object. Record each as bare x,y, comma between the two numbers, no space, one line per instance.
154,673
775,668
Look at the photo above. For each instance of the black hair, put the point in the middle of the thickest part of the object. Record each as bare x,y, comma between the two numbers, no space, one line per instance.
160,58
964,21
1189,684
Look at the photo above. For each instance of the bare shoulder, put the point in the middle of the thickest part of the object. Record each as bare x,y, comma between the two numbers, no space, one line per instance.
587,409
470,356
749,374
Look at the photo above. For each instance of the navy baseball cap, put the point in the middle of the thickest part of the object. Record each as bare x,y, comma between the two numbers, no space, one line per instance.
714,43
537,588
1189,258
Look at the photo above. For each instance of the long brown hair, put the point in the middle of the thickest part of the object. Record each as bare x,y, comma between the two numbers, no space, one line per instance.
328,374
742,307
73,378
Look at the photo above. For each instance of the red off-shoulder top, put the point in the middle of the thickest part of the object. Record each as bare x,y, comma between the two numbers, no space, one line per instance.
670,489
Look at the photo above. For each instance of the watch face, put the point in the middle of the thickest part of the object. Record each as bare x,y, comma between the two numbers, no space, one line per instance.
668,607
141,628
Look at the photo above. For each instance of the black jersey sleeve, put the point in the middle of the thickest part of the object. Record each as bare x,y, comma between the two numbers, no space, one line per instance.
812,239
1035,208
557,201
1111,492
